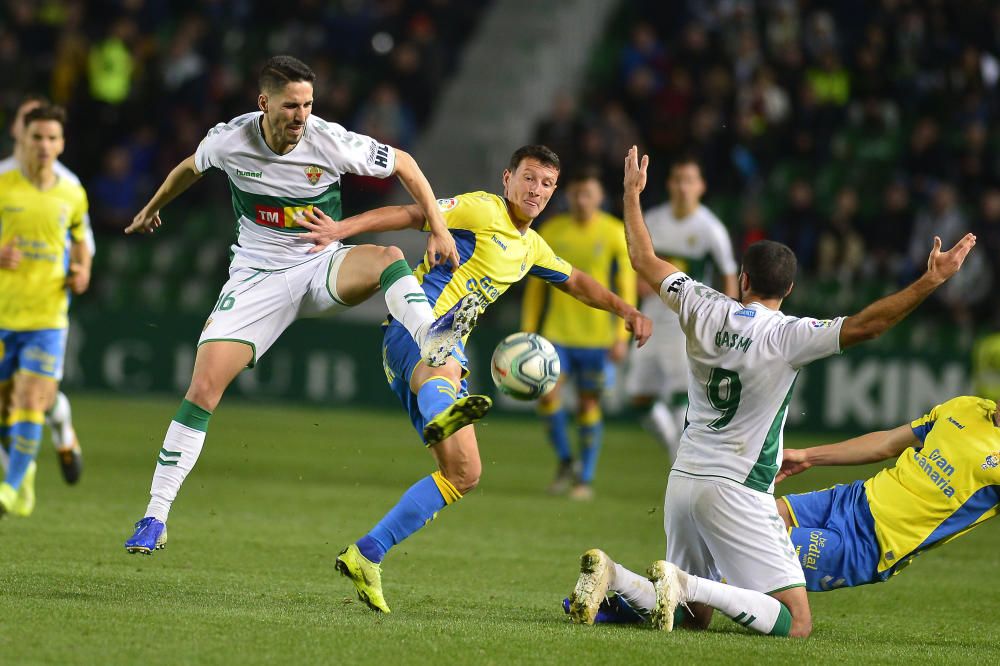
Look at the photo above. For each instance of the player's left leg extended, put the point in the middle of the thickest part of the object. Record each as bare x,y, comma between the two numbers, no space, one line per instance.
458,472
366,268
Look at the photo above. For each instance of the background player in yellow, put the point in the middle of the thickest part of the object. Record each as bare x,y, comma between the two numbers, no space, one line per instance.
589,341
945,482
37,211
497,248
986,366
59,417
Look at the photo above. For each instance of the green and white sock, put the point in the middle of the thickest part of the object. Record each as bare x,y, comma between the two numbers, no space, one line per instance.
753,610
181,448
407,302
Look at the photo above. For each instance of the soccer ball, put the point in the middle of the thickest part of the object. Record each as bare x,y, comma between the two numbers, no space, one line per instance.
525,366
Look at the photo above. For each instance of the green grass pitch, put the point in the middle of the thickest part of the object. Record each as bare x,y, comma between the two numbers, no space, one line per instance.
248,574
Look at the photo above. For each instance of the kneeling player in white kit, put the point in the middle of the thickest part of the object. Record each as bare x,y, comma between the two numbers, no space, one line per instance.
688,235
282,161
719,513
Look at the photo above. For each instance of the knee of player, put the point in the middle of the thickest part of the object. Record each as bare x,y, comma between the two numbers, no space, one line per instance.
391,254
205,393
464,478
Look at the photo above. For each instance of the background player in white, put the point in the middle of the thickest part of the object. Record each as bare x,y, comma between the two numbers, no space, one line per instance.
719,512
282,161
59,417
691,237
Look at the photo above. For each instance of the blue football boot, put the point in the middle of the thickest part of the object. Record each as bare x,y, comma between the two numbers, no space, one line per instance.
613,610
150,534
447,332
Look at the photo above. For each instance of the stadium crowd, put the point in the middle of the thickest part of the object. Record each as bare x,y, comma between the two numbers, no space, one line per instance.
849,130
142,89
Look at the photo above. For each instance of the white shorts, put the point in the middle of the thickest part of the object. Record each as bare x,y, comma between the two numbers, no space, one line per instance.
659,368
256,306
720,531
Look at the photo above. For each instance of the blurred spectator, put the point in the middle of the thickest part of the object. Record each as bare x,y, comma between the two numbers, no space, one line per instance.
941,217
841,250
887,233
798,226
115,192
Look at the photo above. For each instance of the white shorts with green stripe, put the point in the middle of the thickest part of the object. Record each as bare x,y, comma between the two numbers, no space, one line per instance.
256,306
720,530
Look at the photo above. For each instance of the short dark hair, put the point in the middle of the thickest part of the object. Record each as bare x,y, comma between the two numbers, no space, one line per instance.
684,159
46,112
281,70
585,173
770,267
543,154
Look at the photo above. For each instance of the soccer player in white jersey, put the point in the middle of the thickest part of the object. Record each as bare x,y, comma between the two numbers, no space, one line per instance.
282,161
59,416
689,236
719,512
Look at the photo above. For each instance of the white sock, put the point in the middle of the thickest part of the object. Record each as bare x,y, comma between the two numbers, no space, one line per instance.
663,425
181,448
754,610
409,306
59,419
637,590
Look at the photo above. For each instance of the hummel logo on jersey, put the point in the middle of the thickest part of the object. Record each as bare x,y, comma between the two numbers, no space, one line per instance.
248,174
956,423
499,242
378,154
313,173
675,286
746,312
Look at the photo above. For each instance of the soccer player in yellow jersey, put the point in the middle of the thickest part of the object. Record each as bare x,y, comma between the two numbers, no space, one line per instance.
59,417
587,340
37,211
946,481
497,247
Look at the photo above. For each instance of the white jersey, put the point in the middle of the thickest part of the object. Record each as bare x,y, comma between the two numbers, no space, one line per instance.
270,191
742,363
688,244
62,171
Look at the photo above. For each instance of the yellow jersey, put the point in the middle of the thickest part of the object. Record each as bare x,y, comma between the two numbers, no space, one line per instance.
941,489
33,296
598,248
493,253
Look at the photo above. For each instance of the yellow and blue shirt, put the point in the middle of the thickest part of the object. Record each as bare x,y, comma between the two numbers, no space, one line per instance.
598,248
34,296
941,489
493,253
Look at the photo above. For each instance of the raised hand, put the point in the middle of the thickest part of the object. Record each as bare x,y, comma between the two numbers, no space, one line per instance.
635,171
942,265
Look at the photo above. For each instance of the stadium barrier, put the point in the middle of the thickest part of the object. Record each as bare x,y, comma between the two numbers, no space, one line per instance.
339,362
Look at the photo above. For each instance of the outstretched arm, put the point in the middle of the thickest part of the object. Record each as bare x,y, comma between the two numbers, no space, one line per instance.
324,230
883,314
441,246
650,268
873,447
183,176
590,292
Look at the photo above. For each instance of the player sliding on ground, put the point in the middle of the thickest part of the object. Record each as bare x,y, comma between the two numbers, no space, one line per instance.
498,248
945,482
719,514
282,162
